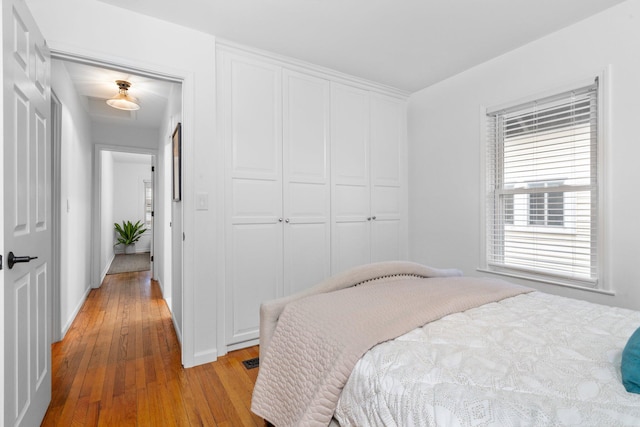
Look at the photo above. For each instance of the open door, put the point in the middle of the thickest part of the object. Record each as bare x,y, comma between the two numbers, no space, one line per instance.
26,206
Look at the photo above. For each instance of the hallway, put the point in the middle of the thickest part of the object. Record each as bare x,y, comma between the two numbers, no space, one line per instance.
119,365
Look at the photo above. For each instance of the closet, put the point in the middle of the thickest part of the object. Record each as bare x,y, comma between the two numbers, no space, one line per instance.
308,160
367,134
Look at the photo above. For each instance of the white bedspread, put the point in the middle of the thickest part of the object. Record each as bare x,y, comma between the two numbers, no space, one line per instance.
534,359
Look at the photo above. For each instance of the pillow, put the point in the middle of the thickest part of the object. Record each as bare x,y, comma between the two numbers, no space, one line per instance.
631,364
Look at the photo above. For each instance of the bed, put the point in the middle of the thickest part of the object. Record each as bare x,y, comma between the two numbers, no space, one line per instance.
352,352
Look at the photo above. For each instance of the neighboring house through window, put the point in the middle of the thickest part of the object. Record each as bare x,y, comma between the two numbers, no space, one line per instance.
542,188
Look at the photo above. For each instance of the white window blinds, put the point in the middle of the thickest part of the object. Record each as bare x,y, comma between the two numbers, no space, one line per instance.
542,185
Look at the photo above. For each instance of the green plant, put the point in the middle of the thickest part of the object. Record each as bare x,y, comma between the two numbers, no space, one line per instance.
129,233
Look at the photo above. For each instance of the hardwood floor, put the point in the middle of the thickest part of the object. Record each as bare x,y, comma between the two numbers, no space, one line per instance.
119,365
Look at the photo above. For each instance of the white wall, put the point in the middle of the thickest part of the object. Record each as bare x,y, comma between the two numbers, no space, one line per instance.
445,145
106,212
145,138
85,27
128,198
76,195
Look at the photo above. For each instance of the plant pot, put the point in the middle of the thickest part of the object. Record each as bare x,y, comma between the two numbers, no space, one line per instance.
130,249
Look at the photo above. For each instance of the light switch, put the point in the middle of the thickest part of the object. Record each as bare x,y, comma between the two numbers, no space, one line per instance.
202,201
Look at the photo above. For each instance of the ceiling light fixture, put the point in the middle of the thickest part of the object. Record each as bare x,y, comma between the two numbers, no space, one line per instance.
122,100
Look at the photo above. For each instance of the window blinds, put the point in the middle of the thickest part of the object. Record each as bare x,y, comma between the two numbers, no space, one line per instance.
543,187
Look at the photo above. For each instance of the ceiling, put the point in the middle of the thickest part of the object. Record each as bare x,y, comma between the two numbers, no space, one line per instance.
95,85
406,44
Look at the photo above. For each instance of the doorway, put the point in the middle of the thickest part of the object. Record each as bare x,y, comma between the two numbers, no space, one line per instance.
89,128
126,187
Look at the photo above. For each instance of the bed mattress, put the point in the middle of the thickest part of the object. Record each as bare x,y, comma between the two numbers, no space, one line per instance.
534,359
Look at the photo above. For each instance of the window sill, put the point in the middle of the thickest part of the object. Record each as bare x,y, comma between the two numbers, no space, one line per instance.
547,281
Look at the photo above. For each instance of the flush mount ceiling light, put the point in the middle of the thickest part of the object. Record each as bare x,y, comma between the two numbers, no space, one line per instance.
122,100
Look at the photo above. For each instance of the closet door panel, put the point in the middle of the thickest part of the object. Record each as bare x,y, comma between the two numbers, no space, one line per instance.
255,200
387,132
351,245
385,240
349,135
305,264
306,128
306,185
386,202
256,276
255,120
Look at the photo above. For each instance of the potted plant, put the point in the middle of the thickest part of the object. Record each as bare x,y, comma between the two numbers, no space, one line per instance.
128,234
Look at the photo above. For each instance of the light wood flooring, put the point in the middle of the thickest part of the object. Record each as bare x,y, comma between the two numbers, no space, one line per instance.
119,365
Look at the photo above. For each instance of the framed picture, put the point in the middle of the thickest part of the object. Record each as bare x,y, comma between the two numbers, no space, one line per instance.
176,139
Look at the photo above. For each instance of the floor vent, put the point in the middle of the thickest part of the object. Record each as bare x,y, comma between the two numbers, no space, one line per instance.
251,363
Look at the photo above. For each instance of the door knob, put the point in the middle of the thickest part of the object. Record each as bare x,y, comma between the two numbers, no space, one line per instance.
12,259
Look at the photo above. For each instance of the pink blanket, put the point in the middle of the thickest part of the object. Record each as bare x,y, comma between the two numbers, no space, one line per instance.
319,339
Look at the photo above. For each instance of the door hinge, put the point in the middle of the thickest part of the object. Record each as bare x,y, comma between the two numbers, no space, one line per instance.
151,258
153,168
183,236
152,213
0,262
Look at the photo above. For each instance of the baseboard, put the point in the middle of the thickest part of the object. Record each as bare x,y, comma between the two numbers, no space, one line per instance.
106,269
243,344
175,328
202,357
66,327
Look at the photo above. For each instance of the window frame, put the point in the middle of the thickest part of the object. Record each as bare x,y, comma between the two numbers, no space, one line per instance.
602,283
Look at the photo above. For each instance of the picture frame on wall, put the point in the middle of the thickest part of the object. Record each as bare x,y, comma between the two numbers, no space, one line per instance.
176,139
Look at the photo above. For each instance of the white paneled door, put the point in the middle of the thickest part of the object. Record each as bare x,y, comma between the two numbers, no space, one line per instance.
253,134
306,185
387,159
27,218
276,128
367,151
350,174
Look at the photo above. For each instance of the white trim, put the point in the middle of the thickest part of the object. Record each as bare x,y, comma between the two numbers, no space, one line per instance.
56,238
175,328
66,53
72,318
604,207
243,344
577,83
187,77
208,356
309,68
547,281
103,274
96,241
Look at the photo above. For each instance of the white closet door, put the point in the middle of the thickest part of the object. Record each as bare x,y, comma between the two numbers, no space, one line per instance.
350,199
253,135
386,142
307,192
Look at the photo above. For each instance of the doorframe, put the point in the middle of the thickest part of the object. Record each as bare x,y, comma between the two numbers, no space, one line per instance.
96,241
186,78
56,238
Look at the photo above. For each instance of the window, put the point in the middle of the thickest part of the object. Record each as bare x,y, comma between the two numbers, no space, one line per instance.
148,203
546,209
542,188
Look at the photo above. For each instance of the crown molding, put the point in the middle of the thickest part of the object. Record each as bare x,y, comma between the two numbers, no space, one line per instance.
309,68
